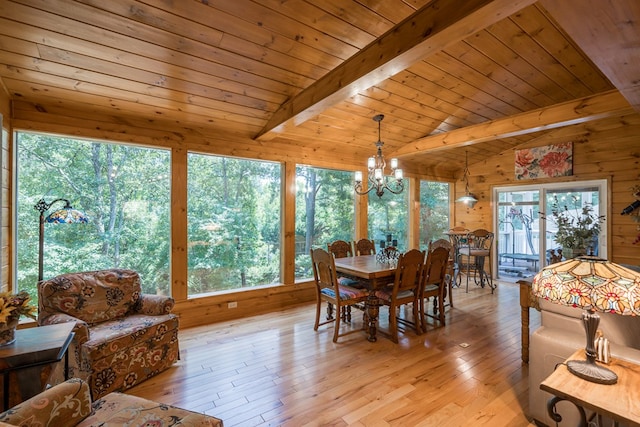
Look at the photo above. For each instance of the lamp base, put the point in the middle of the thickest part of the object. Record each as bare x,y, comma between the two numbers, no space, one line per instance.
591,372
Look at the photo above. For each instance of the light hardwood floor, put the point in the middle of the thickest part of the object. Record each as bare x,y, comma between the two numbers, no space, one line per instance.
273,369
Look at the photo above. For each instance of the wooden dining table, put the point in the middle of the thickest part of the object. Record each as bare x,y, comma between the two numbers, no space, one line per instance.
377,274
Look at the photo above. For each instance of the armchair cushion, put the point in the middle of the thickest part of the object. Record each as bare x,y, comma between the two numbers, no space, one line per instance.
92,296
63,405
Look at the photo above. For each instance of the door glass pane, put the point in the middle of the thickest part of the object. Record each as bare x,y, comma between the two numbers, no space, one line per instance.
572,203
518,240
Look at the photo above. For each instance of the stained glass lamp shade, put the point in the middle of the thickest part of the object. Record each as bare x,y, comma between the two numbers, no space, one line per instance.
66,215
594,284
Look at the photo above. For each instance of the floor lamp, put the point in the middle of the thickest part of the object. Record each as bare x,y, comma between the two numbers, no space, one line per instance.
66,215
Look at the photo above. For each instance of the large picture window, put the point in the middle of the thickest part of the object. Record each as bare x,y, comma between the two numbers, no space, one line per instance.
324,212
123,189
434,212
389,217
234,209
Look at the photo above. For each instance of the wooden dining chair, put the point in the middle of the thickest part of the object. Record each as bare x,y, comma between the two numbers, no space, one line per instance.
434,285
406,289
340,249
328,289
364,247
474,255
452,266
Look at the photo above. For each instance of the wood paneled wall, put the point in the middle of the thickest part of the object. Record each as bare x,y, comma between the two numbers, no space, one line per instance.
606,149
5,188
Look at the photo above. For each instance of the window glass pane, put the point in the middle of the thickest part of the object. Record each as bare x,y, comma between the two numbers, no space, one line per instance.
389,217
233,219
324,212
123,189
572,203
434,212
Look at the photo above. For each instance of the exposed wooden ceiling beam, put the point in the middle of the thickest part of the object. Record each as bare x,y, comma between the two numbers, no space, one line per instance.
430,29
607,31
582,110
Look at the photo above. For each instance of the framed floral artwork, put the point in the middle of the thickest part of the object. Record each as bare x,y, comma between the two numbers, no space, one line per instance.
545,162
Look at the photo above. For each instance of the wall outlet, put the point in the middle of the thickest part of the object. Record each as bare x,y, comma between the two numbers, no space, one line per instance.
232,304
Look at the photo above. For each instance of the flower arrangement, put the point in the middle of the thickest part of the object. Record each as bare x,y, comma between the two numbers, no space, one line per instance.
577,227
12,306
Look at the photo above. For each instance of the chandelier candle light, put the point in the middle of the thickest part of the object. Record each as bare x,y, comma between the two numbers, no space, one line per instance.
594,284
377,180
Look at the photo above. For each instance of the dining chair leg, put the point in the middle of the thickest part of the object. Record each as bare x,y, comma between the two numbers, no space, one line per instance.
393,324
317,322
336,332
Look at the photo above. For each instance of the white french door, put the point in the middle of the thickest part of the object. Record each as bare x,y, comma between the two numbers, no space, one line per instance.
524,240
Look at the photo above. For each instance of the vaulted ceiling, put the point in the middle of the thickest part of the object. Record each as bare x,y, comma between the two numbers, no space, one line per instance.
481,76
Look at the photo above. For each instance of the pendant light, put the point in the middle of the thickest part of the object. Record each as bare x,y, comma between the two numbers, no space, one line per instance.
468,198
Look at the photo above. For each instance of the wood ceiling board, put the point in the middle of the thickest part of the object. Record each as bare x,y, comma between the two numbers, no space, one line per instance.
607,31
586,109
444,22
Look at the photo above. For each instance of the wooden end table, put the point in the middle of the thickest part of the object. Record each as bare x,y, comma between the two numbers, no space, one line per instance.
33,349
618,402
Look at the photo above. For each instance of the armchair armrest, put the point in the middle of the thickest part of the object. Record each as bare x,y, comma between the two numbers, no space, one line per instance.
81,329
154,305
65,404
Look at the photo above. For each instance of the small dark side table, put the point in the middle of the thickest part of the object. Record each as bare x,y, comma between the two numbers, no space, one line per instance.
22,362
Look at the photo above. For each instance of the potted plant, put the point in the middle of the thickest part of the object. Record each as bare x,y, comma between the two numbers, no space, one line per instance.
578,227
12,306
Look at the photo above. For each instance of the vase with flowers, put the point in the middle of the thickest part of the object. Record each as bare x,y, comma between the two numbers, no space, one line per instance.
577,226
12,306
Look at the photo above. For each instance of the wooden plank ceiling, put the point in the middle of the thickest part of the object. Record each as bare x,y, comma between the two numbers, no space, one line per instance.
480,76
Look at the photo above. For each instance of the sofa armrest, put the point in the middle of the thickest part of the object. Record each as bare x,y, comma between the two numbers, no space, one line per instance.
81,329
65,404
154,305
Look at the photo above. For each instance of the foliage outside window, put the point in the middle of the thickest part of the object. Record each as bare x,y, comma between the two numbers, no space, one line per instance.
233,214
389,215
577,223
324,212
434,212
125,191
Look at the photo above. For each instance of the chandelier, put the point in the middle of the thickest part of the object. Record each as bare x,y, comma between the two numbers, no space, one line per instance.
377,180
468,198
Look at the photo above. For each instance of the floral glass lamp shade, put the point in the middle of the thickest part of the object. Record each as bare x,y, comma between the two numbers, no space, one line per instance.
65,215
594,284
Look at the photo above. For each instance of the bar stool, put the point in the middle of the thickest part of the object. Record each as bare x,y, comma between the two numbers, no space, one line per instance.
473,255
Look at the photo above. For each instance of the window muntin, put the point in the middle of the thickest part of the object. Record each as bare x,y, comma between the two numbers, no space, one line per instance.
125,191
233,216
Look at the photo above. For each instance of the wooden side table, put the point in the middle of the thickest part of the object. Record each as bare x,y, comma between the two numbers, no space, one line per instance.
618,402
21,363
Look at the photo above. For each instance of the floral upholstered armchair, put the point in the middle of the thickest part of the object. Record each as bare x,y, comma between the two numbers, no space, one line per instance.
122,336
70,404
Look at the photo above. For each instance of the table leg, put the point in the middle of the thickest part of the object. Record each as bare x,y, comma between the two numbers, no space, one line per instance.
5,385
373,308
